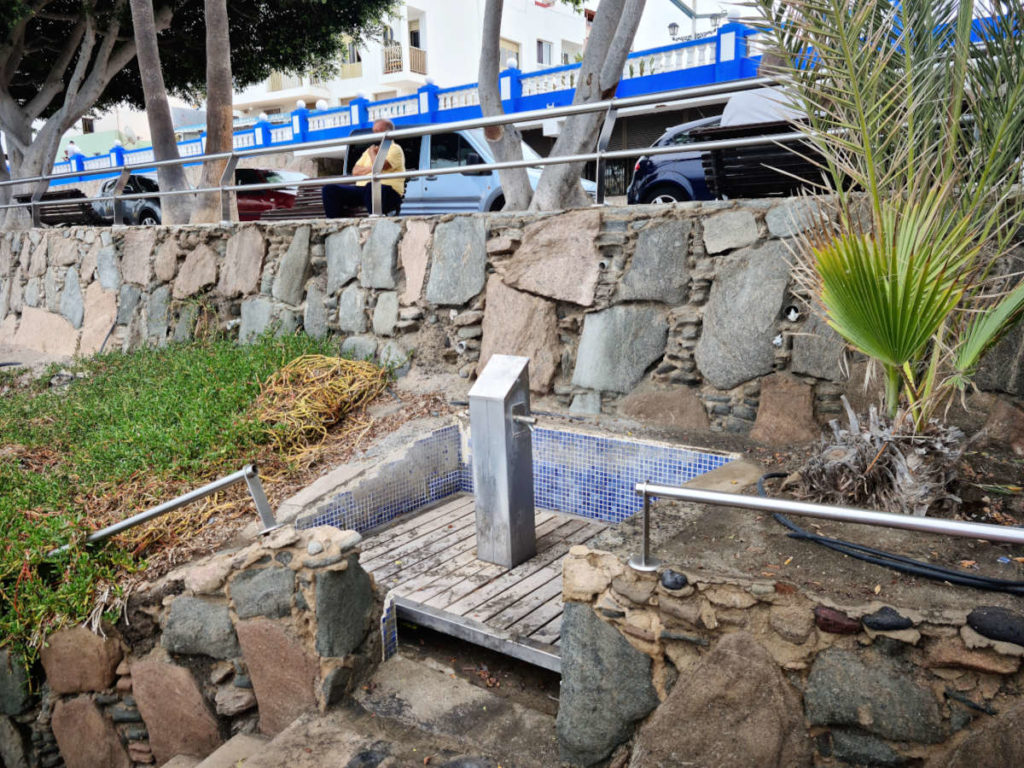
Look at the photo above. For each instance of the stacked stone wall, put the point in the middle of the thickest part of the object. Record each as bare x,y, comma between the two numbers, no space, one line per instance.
753,672
615,306
242,642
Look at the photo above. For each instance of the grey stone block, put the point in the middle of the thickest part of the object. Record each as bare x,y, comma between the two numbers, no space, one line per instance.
157,308
50,290
659,270
606,687
741,317
314,320
793,216
343,603
199,627
588,403
380,255
342,251
352,309
108,269
263,592
846,688
818,350
385,314
33,292
394,355
1002,367
617,345
127,301
257,313
359,347
14,695
459,261
186,323
729,229
293,269
71,303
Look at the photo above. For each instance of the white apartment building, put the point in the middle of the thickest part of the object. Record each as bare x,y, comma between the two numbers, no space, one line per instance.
435,41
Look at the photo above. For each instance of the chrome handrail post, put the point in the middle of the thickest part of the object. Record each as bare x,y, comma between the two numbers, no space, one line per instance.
602,145
252,480
645,563
376,193
225,199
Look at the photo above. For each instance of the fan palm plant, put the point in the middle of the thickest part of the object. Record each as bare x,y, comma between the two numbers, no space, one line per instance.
917,109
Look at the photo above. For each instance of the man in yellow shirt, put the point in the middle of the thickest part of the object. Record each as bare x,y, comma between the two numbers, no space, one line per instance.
340,199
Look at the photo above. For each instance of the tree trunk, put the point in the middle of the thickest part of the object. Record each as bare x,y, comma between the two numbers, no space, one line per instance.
175,209
505,141
607,48
219,122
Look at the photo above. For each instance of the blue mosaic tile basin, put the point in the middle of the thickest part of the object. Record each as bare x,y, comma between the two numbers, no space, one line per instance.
579,473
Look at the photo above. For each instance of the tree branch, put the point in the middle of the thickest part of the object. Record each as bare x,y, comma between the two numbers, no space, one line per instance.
54,82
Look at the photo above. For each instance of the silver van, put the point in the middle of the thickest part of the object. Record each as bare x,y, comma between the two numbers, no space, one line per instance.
470,190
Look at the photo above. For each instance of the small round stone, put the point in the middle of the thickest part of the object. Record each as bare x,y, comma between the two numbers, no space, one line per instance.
314,547
673,579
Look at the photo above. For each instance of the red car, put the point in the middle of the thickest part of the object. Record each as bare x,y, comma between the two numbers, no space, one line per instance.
252,205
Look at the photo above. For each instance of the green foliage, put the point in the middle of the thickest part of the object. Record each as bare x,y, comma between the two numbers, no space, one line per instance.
922,135
180,413
284,35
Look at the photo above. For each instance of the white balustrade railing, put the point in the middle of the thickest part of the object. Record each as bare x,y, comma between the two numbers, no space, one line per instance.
281,134
244,140
546,82
463,97
410,106
338,119
140,157
673,60
190,149
103,161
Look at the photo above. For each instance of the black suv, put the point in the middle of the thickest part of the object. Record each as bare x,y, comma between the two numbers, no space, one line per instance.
141,210
674,177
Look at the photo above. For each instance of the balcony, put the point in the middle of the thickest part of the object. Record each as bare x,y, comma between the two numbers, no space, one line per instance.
394,60
351,70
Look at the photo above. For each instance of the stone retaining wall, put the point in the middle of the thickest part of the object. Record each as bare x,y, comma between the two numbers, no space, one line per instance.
770,678
615,306
241,642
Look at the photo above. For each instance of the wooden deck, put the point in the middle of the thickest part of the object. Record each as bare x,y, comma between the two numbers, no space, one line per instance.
428,561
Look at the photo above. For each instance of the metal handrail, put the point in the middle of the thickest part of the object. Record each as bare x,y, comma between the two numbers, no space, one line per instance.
698,96
986,531
248,473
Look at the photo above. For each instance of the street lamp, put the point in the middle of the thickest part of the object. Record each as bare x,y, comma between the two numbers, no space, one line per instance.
673,30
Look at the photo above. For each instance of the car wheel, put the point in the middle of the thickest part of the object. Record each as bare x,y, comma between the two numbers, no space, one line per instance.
149,218
666,193
498,204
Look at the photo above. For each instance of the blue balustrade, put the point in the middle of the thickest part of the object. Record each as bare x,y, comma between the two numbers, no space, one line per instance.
719,57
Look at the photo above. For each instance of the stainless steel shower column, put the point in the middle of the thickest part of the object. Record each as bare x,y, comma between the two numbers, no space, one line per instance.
499,408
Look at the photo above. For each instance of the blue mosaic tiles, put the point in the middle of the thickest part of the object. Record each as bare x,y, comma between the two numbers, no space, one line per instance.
583,474
431,469
594,475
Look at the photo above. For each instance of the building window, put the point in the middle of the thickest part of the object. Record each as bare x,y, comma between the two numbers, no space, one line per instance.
352,55
571,52
414,33
88,125
508,49
544,52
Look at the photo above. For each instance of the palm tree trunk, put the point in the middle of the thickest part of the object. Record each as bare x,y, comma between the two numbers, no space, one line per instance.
219,122
175,209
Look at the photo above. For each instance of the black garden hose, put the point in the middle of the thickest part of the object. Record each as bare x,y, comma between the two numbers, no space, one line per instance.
889,560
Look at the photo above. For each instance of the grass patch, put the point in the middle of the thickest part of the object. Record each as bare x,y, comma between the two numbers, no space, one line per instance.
110,444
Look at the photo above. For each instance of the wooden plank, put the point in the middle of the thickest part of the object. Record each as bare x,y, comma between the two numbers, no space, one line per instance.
409,527
409,540
431,561
464,564
550,633
422,548
526,605
496,575
521,590
538,618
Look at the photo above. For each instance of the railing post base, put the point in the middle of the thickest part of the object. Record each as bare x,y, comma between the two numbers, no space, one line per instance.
638,563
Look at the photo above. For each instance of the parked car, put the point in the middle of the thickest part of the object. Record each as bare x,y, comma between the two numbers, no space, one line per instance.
251,205
673,177
469,190
141,211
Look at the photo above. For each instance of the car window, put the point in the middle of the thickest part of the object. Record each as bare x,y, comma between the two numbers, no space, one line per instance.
145,184
449,150
247,176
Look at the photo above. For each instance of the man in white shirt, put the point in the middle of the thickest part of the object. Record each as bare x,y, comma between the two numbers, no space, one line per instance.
340,199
